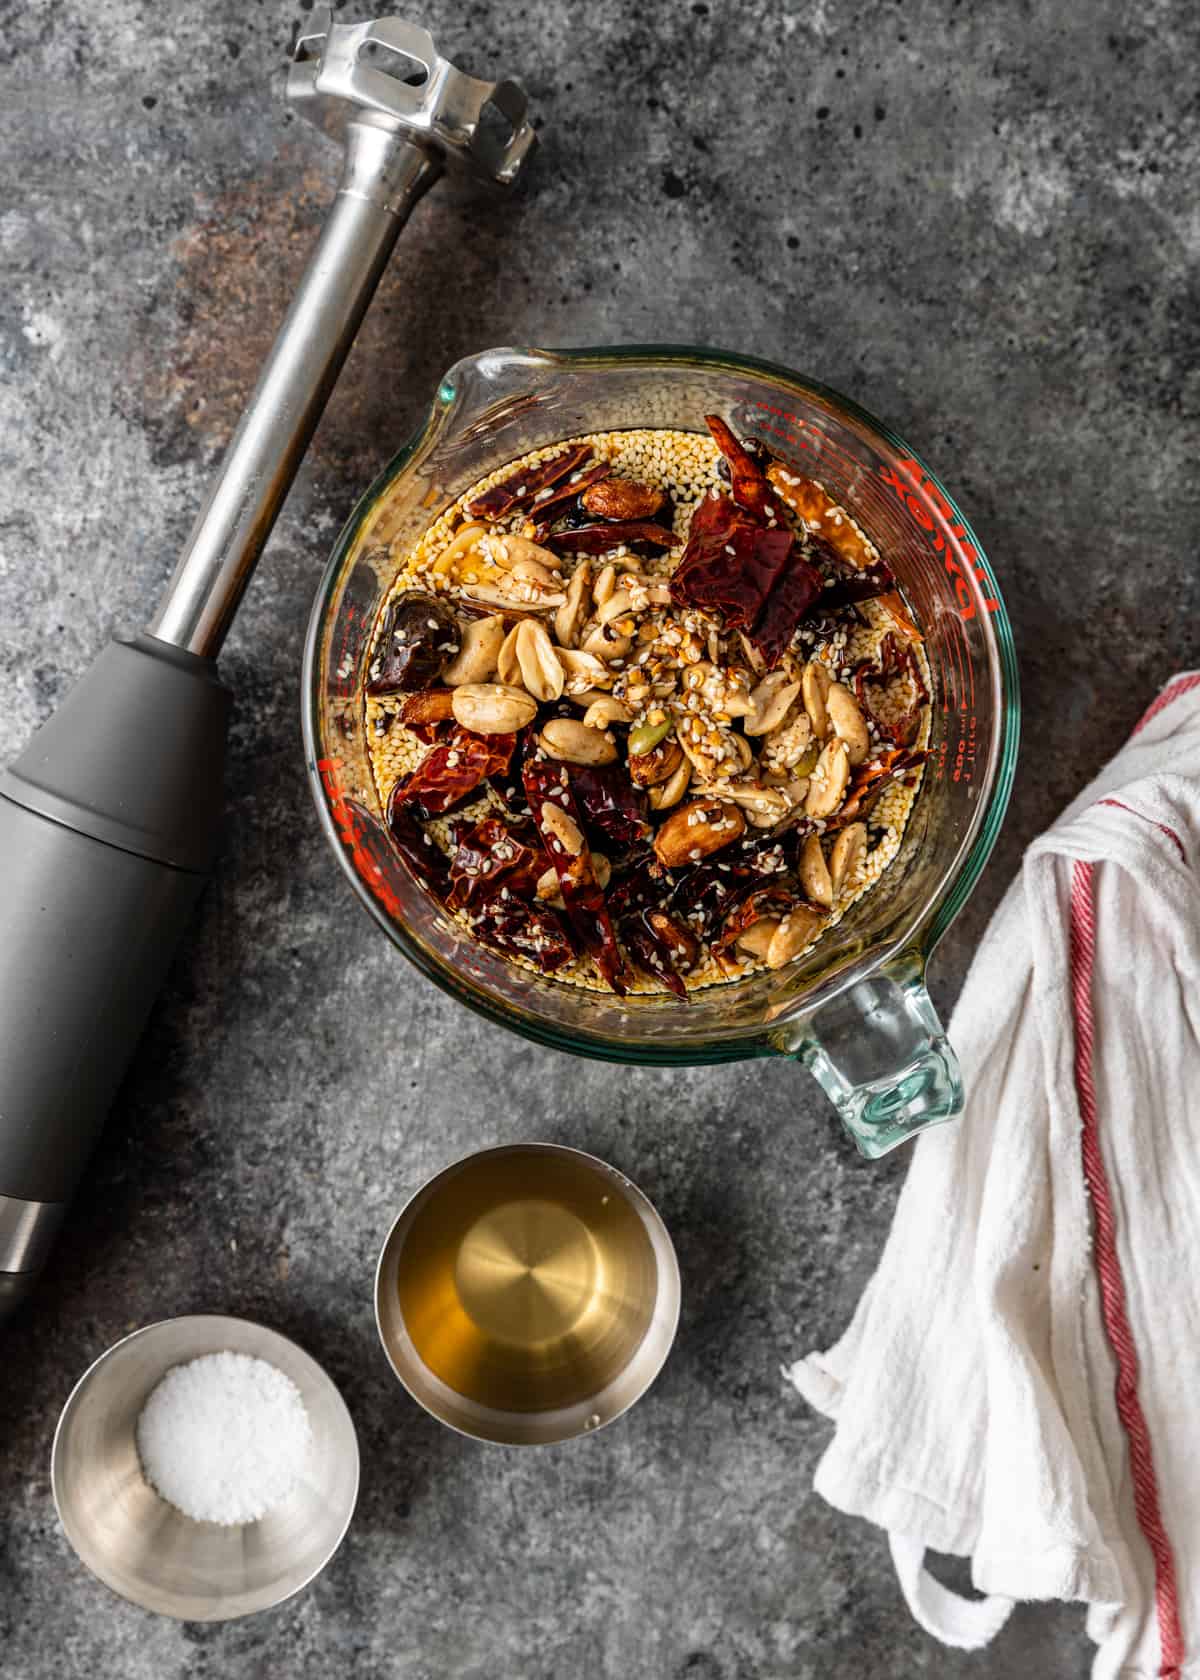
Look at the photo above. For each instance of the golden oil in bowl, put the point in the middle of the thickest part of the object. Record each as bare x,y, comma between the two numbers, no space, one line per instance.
527,1294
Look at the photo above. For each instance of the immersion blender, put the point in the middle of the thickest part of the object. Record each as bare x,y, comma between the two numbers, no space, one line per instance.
104,847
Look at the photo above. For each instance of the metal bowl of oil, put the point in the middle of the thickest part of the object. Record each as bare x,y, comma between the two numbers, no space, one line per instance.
527,1294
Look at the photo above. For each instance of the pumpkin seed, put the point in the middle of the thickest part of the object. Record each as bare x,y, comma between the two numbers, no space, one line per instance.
646,737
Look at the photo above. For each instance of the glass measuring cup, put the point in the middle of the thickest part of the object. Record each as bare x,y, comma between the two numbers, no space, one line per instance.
855,1009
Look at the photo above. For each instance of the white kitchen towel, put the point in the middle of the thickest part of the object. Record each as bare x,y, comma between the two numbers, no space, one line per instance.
1020,1382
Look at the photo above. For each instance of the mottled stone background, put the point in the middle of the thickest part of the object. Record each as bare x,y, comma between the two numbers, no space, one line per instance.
979,219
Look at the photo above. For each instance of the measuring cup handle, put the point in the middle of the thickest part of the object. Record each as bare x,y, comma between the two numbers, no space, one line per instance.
882,1057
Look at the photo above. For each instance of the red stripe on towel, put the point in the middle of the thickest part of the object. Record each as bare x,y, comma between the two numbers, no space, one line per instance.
1181,685
1163,828
1108,1266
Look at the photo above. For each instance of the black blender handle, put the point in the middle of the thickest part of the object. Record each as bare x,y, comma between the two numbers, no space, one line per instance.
108,827
108,820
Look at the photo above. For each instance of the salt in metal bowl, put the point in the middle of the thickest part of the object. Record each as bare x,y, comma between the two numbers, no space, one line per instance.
146,1550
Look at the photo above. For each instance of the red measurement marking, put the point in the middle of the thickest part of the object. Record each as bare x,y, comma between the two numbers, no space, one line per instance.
356,836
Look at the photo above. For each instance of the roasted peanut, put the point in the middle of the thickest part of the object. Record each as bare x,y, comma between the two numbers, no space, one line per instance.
798,928
845,714
493,708
568,620
575,743
584,671
563,827
541,672
668,793
814,873
827,785
606,582
429,705
511,552
848,851
479,655
605,711
621,498
647,769
508,664
696,831
815,686
756,941
769,703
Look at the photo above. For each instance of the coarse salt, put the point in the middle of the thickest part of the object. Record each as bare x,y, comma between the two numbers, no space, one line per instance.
224,1438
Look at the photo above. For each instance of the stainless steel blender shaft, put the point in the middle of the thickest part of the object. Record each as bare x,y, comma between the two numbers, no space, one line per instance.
109,819
405,114
385,175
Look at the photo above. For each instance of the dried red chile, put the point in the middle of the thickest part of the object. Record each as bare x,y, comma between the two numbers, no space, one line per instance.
581,891
894,661
870,780
522,488
748,482
418,635
491,855
564,497
452,771
419,850
610,803
798,588
524,930
758,904
729,564
637,534
662,946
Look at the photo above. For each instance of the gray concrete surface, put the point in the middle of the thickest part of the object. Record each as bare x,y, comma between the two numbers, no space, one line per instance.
981,221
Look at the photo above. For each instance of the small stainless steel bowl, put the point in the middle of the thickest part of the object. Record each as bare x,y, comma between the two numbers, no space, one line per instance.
146,1550
527,1294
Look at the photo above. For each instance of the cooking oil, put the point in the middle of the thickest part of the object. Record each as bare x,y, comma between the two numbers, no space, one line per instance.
527,1282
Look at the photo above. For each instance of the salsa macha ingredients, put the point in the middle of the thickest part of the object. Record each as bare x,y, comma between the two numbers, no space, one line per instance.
647,711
